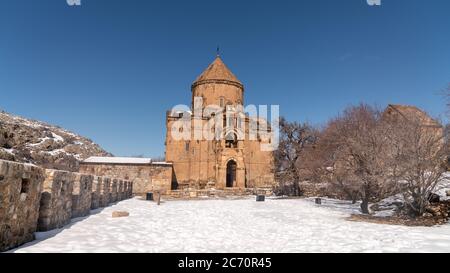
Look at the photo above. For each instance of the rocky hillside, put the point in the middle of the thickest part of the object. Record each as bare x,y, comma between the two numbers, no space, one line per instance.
36,142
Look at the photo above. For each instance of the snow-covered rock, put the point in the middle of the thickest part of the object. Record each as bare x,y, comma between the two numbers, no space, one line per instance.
31,141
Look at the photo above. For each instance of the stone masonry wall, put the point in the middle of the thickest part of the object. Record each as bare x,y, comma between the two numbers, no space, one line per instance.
32,198
96,189
56,200
81,195
145,177
20,193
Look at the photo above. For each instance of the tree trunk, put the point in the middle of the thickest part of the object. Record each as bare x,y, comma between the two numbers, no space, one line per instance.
354,198
365,206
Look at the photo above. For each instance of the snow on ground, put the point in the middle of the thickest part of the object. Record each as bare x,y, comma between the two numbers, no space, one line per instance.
276,225
57,137
443,186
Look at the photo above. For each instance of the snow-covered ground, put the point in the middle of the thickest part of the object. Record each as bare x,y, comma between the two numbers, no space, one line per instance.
276,225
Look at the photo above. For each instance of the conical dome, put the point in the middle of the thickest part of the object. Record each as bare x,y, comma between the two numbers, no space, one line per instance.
217,72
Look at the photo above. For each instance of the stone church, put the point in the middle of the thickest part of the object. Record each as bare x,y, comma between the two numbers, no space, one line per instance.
232,158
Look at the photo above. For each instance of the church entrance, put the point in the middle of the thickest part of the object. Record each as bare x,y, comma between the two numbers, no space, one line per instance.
231,173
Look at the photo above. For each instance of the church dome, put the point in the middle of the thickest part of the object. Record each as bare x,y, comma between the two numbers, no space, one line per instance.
217,72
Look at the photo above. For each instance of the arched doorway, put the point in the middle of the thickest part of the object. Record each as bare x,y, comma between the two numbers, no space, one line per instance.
231,173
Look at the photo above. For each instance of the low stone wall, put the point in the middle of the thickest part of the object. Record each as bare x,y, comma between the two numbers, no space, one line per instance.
190,193
20,194
32,198
145,177
96,189
81,195
56,200
105,195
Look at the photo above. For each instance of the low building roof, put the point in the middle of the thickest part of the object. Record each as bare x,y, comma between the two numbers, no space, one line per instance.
124,160
117,160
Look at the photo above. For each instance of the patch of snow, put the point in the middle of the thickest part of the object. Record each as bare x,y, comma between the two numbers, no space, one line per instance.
9,151
41,140
388,206
443,186
57,138
56,152
276,225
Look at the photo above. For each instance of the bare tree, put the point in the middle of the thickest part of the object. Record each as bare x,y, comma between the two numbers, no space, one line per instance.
354,155
295,138
420,154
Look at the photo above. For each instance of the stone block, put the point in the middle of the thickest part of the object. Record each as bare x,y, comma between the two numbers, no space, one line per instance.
81,195
116,214
56,200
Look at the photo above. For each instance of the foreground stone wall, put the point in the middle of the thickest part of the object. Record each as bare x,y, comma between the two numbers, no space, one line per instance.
56,200
145,177
81,195
20,193
32,198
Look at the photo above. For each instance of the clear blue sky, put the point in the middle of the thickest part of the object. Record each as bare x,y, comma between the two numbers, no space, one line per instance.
109,70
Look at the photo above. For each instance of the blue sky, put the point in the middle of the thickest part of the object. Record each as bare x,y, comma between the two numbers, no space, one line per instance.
110,69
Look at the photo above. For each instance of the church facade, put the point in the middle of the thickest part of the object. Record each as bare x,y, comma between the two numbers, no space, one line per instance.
214,143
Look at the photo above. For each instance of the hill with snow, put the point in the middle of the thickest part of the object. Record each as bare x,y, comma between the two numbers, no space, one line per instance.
36,142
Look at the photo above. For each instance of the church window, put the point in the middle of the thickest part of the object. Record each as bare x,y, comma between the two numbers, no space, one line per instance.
222,102
231,141
186,147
